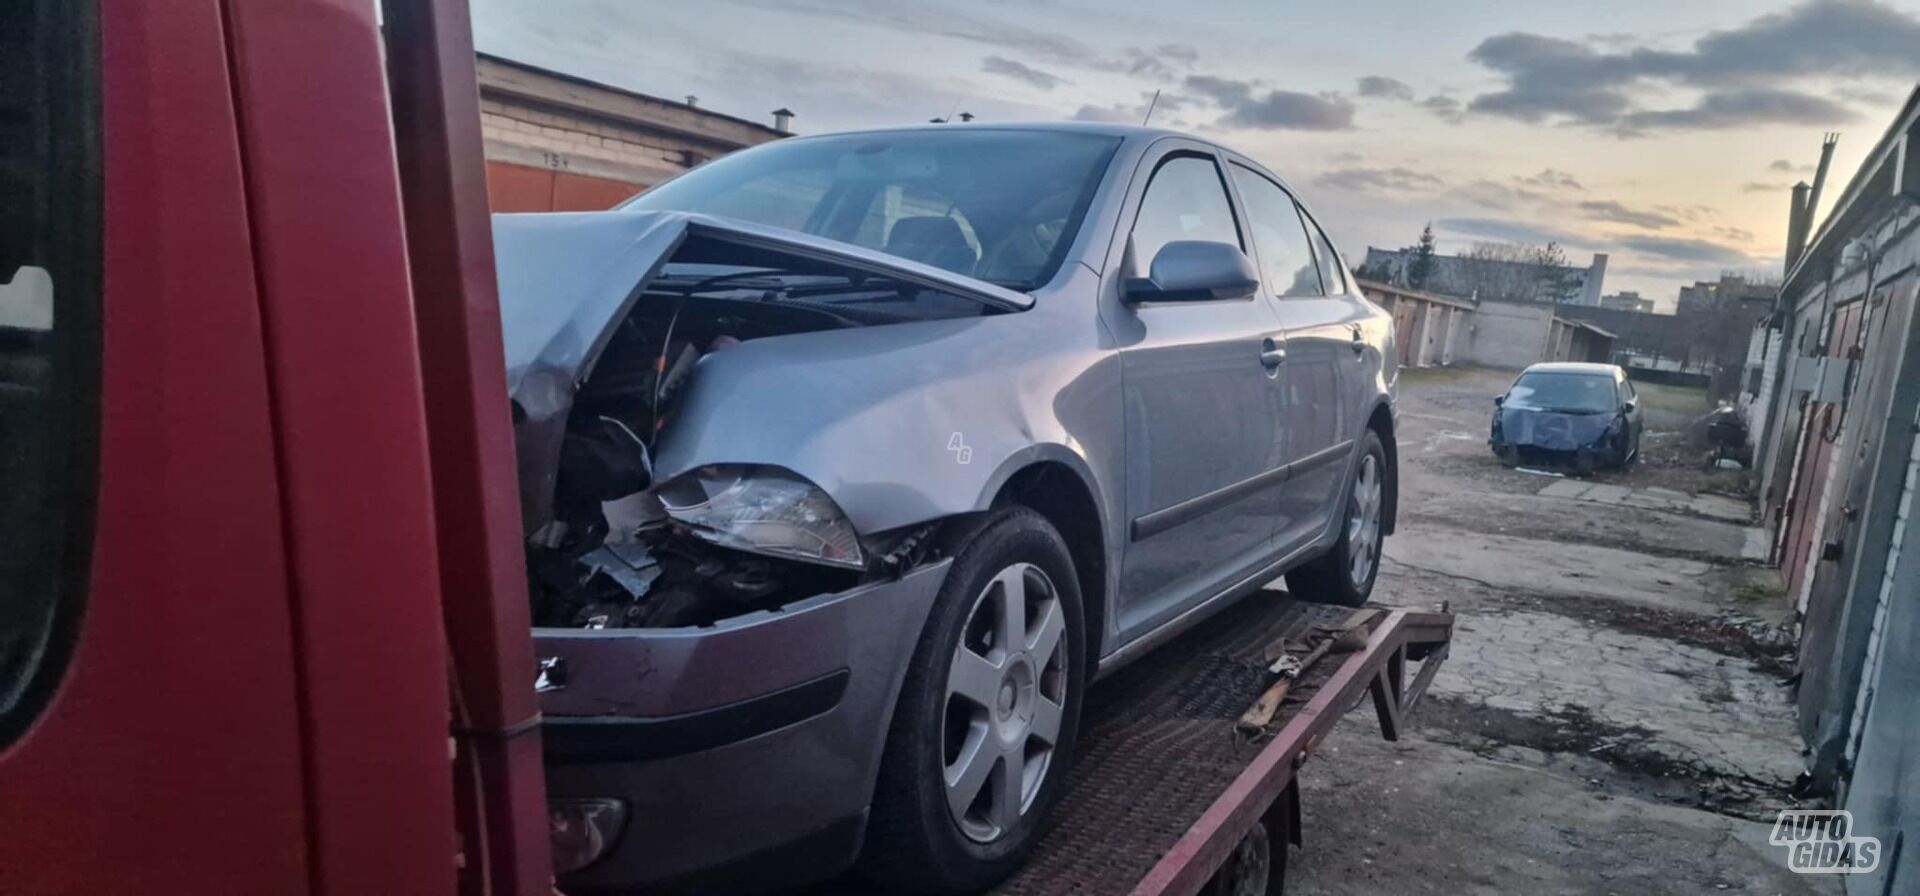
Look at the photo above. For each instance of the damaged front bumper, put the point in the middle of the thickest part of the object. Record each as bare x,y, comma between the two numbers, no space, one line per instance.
743,752
1526,436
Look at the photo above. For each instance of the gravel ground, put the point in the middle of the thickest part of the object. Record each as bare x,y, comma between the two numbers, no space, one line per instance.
1613,717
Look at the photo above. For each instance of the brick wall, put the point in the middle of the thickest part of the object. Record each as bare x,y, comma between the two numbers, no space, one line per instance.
558,143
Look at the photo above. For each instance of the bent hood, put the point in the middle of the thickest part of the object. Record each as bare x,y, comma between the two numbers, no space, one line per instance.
567,280
1553,430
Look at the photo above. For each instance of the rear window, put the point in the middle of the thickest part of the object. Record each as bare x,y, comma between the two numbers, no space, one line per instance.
49,301
999,205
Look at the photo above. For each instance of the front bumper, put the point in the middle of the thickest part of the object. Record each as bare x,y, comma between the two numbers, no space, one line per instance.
733,744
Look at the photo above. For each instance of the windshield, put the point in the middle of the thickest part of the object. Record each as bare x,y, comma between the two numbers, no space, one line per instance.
1581,393
998,205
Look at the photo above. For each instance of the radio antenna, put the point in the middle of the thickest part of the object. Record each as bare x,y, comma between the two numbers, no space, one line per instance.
1150,104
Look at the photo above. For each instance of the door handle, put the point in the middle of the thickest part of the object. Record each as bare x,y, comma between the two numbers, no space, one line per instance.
1272,353
1359,341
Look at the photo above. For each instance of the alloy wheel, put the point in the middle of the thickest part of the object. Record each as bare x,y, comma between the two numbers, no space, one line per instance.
1363,522
1006,699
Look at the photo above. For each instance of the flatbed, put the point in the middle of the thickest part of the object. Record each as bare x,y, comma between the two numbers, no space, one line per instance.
1165,788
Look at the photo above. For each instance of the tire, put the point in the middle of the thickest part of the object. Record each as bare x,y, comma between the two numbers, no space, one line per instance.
918,839
1258,866
1345,574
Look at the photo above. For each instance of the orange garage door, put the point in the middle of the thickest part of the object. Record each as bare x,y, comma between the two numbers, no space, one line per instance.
523,188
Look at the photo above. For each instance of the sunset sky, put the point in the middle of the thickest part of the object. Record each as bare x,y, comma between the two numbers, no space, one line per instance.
1663,133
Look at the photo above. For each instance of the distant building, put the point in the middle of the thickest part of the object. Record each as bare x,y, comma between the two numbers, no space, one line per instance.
1705,295
1484,278
1627,300
555,142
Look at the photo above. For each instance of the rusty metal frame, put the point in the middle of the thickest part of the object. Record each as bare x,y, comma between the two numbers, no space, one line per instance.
1379,670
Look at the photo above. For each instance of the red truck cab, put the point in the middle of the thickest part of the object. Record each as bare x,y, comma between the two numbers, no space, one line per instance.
262,618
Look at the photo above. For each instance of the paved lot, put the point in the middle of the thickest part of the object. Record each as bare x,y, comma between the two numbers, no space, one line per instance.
1613,718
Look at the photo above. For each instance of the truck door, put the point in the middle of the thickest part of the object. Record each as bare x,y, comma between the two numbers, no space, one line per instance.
150,734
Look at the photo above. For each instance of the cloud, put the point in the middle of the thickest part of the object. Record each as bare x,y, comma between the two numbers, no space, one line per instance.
1114,114
1019,71
1786,167
1222,91
1552,179
937,20
1690,250
1754,186
1496,195
1158,62
1739,108
1506,231
1277,110
1445,108
1379,180
1611,210
1288,110
1382,87
1741,71
1737,234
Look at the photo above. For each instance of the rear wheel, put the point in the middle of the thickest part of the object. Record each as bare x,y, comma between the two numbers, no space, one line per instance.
1345,574
987,718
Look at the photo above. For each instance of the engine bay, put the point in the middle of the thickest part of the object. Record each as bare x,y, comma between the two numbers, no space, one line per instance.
615,553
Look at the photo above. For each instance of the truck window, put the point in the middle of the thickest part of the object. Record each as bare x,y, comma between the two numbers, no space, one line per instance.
49,338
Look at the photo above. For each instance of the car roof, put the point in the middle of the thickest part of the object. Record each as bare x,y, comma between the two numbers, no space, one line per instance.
1112,129
1589,368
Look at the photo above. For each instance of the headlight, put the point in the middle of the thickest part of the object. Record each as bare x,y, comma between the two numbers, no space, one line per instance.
765,510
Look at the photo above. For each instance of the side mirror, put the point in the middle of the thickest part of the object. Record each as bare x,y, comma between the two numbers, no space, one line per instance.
1500,399
1195,271
1631,405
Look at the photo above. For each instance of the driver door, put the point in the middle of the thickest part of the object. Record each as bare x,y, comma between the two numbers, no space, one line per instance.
1204,454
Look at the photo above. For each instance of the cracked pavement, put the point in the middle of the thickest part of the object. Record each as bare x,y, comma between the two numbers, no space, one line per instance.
1613,717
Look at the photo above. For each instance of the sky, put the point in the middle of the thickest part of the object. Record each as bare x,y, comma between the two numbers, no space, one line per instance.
1665,133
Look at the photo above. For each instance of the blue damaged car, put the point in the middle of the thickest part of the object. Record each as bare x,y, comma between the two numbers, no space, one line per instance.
1585,416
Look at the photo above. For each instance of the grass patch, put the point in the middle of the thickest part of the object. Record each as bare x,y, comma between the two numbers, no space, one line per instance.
1449,374
1757,592
1680,399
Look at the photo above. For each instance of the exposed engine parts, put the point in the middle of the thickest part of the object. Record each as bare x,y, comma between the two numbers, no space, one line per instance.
625,550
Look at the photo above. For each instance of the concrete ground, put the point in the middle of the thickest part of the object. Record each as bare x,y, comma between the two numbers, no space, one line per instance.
1613,718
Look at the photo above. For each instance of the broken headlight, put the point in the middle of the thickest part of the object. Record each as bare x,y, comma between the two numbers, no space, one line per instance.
764,510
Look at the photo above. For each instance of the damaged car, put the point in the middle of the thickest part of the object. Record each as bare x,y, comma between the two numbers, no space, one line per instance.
847,462
1583,416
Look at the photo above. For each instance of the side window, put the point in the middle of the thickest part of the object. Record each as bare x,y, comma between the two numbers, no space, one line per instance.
1332,269
1286,262
1186,200
49,339
1626,390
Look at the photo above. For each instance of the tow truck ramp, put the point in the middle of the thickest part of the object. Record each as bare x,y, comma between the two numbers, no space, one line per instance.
1166,786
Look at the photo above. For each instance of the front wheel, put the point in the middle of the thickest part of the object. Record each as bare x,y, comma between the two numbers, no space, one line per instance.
988,715
1345,574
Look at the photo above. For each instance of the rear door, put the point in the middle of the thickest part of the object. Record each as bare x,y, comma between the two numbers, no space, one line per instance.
1319,381
1204,450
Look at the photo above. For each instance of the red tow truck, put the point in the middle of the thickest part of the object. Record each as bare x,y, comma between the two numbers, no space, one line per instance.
263,619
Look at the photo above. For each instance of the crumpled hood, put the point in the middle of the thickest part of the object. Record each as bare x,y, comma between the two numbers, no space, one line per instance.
566,280
1553,430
